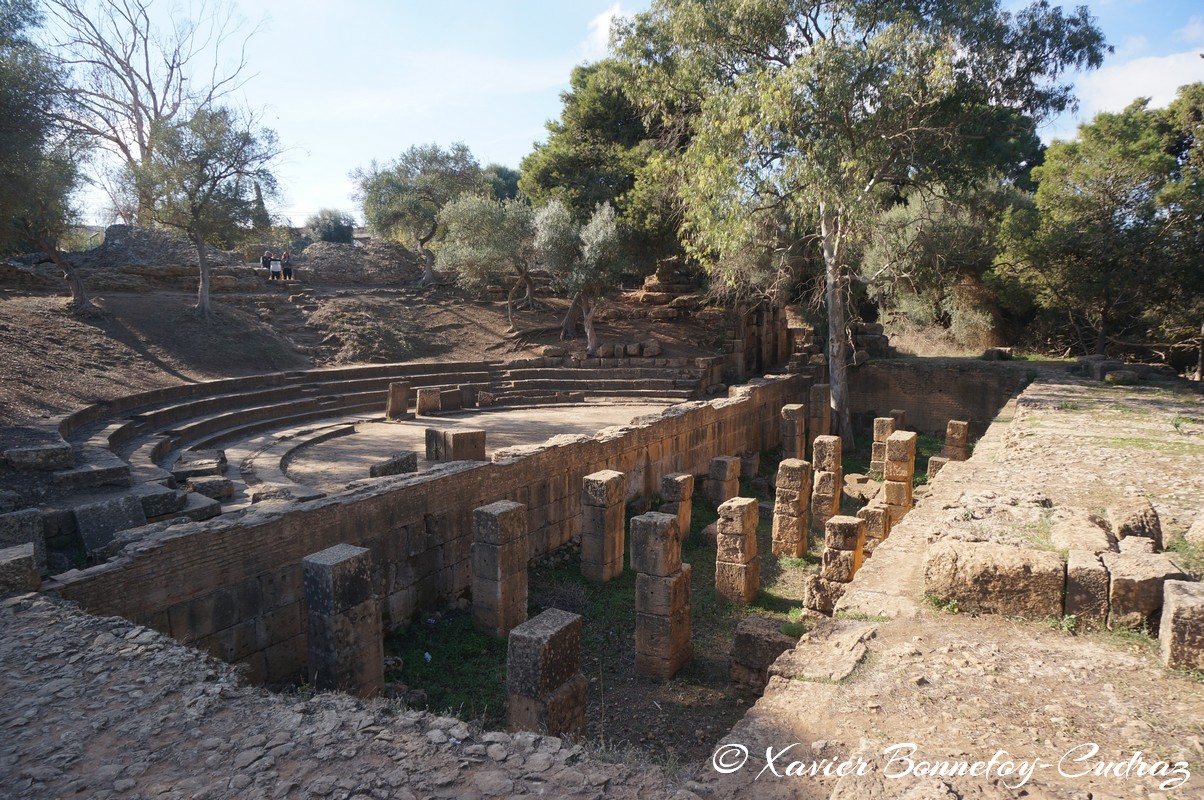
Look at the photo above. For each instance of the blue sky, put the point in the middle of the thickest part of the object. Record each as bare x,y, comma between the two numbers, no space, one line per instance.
347,82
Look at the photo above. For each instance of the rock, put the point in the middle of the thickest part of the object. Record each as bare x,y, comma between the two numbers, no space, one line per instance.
41,457
710,534
1074,530
19,570
158,500
552,351
758,643
828,653
821,595
24,527
1086,588
1121,377
996,578
1135,587
1181,633
1133,515
1195,534
213,486
401,463
98,522
997,354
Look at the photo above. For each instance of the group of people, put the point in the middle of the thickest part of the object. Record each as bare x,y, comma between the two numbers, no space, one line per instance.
278,266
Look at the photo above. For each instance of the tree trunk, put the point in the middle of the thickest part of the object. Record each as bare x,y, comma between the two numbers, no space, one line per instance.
1101,336
588,307
1200,357
428,258
830,232
202,295
530,284
510,304
568,328
81,303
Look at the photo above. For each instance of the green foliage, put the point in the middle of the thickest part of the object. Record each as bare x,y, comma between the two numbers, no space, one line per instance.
503,180
330,225
487,240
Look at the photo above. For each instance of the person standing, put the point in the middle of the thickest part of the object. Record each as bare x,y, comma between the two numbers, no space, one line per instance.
287,265
277,269
266,263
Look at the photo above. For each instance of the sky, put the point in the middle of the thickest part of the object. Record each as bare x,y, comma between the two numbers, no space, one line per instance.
347,82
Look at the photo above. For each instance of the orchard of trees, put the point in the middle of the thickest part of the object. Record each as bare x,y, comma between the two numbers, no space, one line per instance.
879,160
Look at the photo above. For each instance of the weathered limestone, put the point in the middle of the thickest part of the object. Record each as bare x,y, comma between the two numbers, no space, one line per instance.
828,483
758,643
822,594
844,545
819,412
46,457
791,510
397,406
400,463
677,492
935,465
957,440
456,444
899,468
25,527
1086,588
737,565
877,526
602,525
213,486
1181,633
1132,515
19,570
883,428
996,578
99,521
723,480
1075,531
662,600
1135,588
543,675
427,401
499,567
344,636
794,431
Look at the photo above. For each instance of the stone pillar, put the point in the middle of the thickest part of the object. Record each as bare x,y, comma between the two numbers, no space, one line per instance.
737,565
346,650
829,478
427,402
602,525
499,567
662,597
900,467
844,544
883,428
543,675
723,481
677,492
468,395
794,431
877,526
957,440
398,404
819,412
900,418
1181,631
455,445
792,509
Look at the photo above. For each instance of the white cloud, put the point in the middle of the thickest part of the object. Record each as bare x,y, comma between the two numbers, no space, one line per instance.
1115,86
597,42
1132,46
1193,31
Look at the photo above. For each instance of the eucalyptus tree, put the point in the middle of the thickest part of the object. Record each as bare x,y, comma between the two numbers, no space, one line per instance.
816,111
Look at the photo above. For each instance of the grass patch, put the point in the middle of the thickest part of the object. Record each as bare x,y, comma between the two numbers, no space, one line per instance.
1130,638
1189,557
948,605
860,616
1040,536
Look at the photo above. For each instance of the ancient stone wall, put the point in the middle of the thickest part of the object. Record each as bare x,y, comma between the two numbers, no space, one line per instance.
233,587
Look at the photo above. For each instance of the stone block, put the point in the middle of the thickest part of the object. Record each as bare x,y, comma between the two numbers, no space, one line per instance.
897,493
346,650
1181,633
653,666
724,468
750,464
397,404
955,453
901,446
1135,587
900,418
19,571
677,487
790,502
738,583
25,527
46,457
996,579
662,636
604,488
498,607
844,533
663,596
337,578
655,544
427,401
543,653
789,538
821,595
957,433
828,484
1073,530
794,474
839,566
759,641
500,523
213,486
883,428
561,713
499,562
1086,588
935,465
898,470
434,444
464,445
877,522
1136,544
199,508
401,463
1133,515
741,512
735,549
98,522
825,453
158,500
